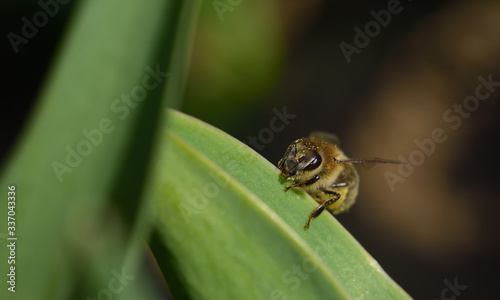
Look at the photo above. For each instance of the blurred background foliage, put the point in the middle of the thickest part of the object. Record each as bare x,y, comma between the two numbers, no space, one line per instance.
441,222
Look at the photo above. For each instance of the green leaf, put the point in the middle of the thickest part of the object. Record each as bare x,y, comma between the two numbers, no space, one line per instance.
81,162
227,229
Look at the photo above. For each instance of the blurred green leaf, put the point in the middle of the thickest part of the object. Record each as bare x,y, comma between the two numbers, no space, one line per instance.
227,229
80,165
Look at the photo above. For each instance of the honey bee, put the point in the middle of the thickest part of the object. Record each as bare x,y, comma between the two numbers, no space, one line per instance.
317,166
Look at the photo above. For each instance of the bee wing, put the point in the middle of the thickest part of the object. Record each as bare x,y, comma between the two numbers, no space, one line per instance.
368,163
330,137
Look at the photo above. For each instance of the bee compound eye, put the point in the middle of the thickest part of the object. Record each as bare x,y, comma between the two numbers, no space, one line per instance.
314,163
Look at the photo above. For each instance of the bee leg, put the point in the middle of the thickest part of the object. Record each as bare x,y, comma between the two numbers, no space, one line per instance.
305,183
315,213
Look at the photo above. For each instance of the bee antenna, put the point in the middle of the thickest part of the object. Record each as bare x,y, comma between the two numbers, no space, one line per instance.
367,160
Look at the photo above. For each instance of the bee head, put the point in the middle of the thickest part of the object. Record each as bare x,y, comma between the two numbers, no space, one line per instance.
300,157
